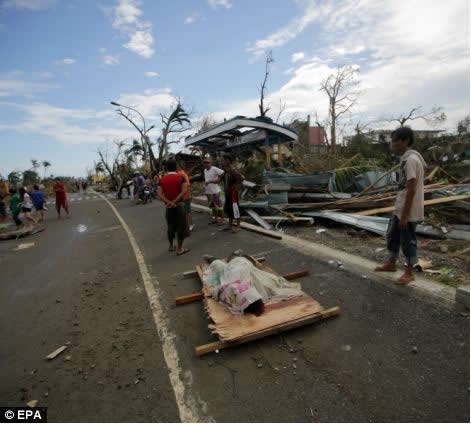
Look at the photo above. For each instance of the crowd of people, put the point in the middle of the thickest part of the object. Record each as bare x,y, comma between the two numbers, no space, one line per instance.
29,207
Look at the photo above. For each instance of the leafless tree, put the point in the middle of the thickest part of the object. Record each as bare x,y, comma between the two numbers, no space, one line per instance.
145,141
206,122
281,110
434,117
111,165
262,107
342,89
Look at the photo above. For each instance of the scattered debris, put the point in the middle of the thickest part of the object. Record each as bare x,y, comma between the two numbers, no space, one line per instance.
23,246
32,403
346,348
415,349
320,230
422,265
56,353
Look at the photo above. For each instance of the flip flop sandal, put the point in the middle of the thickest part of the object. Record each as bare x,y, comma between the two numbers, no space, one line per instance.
182,253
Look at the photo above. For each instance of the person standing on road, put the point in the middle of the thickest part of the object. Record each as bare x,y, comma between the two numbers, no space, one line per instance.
38,201
232,179
187,197
26,205
61,199
171,190
15,207
409,206
212,178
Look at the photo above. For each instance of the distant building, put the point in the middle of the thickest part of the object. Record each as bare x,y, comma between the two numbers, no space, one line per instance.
384,136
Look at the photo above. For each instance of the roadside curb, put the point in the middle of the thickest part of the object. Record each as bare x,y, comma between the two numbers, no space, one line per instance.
462,295
422,288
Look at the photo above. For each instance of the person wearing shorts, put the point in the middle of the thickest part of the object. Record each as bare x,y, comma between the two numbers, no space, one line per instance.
186,197
61,199
172,188
26,205
38,201
15,207
212,178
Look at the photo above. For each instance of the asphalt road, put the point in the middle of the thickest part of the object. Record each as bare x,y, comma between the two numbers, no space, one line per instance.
387,357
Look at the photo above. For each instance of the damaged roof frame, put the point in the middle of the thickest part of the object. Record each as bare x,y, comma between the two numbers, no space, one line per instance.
262,133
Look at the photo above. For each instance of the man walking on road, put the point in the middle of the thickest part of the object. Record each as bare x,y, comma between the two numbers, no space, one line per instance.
171,191
212,178
409,207
61,199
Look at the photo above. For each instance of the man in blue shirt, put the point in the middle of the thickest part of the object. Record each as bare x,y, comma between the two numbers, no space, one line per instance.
37,197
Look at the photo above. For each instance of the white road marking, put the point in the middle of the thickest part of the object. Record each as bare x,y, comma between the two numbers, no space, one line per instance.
188,407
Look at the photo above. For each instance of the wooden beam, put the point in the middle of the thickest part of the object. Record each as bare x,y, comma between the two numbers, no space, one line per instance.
212,347
190,274
193,297
257,229
258,219
426,203
295,275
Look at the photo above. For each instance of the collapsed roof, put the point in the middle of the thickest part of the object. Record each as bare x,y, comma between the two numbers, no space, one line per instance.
241,133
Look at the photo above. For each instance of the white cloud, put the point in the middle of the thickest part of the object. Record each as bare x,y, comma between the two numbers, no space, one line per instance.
296,57
189,20
110,60
141,43
152,74
66,61
402,66
87,125
14,87
126,19
220,3
290,31
150,103
27,4
102,50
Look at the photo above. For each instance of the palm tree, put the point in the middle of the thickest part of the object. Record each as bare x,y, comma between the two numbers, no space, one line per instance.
35,164
99,168
134,151
46,164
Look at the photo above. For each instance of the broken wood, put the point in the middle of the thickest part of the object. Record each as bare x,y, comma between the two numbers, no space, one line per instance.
190,274
325,313
56,353
426,203
193,297
294,275
259,230
258,219
378,180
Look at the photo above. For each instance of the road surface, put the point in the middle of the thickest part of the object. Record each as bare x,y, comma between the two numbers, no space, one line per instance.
387,357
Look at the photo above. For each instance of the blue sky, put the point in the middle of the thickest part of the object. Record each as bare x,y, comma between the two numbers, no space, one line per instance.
63,61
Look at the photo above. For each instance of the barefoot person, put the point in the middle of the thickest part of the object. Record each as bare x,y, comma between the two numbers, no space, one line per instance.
61,198
186,197
38,201
212,178
171,190
27,206
232,179
409,207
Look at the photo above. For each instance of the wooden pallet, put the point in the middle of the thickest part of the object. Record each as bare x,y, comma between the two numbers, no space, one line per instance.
279,316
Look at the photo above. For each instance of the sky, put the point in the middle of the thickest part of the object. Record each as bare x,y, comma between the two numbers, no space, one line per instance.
63,61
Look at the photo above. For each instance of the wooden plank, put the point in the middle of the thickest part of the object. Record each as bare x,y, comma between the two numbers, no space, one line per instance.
190,274
259,230
426,203
56,353
378,180
193,297
326,313
258,219
295,275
